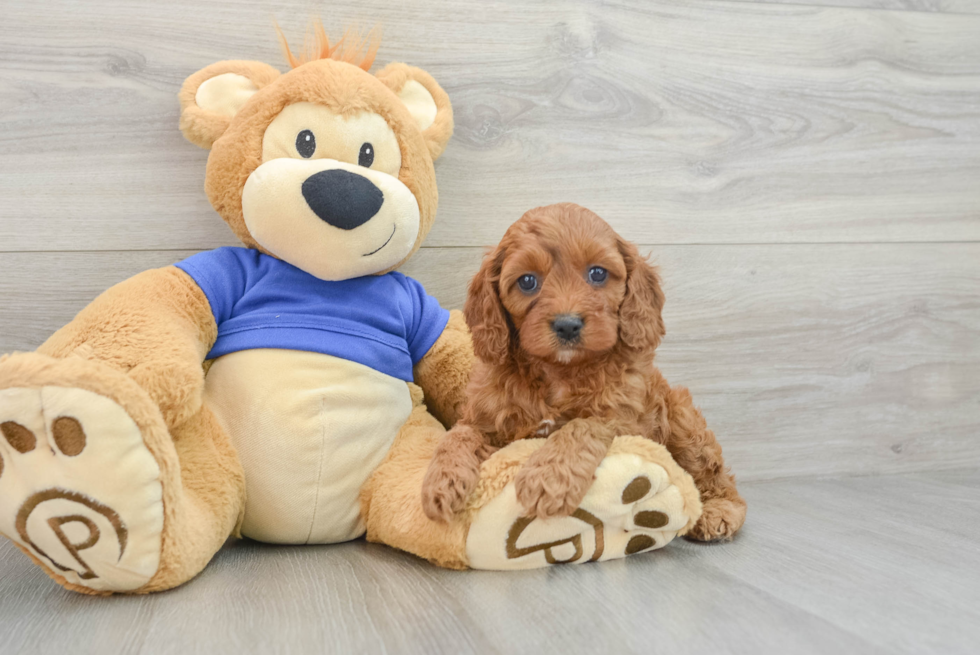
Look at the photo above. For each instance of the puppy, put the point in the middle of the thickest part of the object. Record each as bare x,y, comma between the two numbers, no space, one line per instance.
566,316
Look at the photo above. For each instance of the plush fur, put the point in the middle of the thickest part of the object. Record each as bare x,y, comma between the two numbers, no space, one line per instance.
351,48
199,514
529,382
236,146
390,501
445,370
202,127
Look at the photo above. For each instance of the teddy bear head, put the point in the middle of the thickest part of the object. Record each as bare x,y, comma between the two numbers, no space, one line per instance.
327,167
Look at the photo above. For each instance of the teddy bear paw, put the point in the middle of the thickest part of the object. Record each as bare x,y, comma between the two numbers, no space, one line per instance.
79,490
634,505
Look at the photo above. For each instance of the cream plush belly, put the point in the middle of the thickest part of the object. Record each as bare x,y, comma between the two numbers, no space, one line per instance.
309,430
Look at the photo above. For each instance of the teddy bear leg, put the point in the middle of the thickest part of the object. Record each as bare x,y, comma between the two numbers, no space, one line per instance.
97,490
212,490
391,500
639,501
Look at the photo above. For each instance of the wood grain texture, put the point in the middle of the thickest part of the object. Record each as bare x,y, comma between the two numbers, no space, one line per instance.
681,122
937,6
806,359
807,167
874,565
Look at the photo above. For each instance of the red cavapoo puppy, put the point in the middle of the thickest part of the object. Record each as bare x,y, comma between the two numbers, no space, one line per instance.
565,317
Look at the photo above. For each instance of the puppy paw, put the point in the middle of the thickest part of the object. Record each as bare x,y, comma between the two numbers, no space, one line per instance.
548,490
445,488
720,520
485,450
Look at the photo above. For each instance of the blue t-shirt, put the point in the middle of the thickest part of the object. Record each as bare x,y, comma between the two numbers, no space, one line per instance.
387,322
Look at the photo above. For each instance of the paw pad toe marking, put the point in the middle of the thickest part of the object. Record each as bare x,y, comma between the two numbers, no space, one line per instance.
637,489
20,438
640,542
651,519
68,435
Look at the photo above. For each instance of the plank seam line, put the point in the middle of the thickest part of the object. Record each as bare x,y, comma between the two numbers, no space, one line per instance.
638,243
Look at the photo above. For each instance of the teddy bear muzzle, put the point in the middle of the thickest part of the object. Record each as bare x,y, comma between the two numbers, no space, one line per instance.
332,219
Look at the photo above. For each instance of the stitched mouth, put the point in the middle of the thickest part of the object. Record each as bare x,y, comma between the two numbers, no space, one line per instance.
393,228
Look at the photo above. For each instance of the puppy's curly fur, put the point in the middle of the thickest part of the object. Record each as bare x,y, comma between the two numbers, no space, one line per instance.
566,316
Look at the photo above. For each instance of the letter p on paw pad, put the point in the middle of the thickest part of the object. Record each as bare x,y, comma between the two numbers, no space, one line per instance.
79,490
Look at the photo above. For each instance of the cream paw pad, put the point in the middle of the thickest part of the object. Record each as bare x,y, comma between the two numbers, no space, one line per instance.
639,501
79,490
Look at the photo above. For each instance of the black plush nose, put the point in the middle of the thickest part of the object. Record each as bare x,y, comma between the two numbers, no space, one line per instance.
568,327
341,198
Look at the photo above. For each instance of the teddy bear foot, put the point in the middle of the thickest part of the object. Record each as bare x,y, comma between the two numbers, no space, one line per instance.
639,501
79,490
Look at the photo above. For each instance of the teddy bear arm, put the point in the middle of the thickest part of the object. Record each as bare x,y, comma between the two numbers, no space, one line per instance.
445,370
157,327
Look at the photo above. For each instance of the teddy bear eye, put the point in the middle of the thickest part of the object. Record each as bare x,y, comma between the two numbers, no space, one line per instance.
527,283
305,144
366,156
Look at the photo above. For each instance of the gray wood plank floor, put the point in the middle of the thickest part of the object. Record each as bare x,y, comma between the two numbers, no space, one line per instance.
850,565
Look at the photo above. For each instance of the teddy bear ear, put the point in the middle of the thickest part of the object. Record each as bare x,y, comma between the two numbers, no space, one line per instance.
213,95
426,101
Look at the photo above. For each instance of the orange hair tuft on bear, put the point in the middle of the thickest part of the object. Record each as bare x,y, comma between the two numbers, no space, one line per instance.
351,48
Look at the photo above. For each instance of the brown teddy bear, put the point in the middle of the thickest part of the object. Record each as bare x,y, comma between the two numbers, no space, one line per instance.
275,391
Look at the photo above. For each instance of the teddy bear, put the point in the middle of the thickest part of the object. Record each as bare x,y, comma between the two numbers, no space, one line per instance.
291,390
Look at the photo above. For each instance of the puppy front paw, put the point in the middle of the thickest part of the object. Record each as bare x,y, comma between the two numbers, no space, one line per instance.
548,490
445,488
720,520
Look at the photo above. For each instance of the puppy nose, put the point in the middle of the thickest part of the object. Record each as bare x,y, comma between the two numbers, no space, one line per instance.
341,198
568,327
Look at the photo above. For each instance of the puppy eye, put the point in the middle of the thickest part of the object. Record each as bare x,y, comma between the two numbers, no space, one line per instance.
598,275
366,156
527,283
305,144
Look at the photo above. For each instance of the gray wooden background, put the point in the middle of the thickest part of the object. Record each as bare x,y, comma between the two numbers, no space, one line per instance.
807,175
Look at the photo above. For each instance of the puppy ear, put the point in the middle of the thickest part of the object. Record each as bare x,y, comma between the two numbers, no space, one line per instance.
213,95
485,313
426,101
641,325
